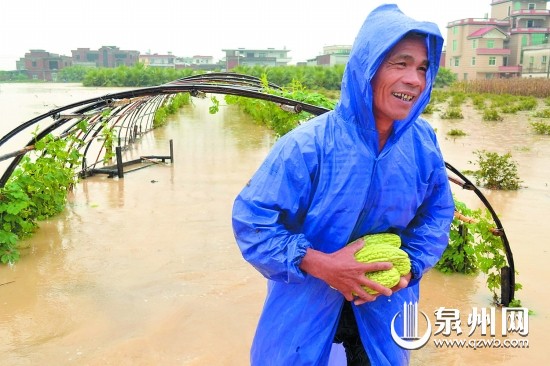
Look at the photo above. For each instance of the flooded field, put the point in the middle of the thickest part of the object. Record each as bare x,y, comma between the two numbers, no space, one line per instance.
144,270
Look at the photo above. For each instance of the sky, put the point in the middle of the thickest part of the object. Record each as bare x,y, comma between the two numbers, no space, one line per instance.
189,28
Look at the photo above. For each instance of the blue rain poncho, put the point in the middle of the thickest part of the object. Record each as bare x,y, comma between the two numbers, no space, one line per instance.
325,184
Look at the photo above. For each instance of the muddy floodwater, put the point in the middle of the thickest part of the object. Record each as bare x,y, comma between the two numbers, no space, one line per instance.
144,270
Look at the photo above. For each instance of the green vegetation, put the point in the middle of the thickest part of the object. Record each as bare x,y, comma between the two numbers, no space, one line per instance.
271,115
36,191
73,74
496,171
456,133
311,77
491,115
137,75
452,113
169,107
13,77
541,128
474,248
545,113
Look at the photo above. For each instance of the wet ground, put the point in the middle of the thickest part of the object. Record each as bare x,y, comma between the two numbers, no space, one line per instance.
144,270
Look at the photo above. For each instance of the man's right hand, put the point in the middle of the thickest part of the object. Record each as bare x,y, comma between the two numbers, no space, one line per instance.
341,271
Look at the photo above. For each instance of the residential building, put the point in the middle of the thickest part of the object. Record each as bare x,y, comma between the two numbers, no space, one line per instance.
85,57
202,60
111,56
156,60
42,65
503,45
535,62
252,57
332,55
106,56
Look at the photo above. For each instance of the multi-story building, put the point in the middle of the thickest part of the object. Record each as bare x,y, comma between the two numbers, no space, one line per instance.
252,57
106,56
111,56
42,65
156,60
85,57
512,42
332,55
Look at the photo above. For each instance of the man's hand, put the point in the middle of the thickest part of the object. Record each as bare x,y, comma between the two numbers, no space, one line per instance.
403,282
341,271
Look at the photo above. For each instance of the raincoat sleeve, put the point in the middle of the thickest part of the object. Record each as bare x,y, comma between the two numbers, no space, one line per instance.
268,213
427,235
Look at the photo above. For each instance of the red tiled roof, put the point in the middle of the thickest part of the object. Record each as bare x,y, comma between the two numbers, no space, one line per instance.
481,32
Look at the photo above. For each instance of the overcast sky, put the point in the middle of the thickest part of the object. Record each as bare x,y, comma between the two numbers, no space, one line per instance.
202,27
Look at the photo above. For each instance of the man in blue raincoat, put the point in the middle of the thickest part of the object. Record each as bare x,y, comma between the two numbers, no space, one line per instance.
371,165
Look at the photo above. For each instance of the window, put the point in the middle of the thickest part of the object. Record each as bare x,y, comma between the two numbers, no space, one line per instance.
473,61
465,76
490,43
537,39
455,31
531,61
455,45
457,61
474,43
530,23
531,6
492,61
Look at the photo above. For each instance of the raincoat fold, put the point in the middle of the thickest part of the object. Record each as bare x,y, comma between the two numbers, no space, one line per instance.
325,184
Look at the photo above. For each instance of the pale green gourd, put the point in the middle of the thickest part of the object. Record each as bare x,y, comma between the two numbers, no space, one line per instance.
384,247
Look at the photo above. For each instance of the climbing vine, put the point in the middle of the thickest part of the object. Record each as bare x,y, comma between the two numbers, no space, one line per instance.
474,248
37,190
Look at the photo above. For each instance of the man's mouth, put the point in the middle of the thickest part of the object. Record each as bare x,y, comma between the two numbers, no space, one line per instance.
403,96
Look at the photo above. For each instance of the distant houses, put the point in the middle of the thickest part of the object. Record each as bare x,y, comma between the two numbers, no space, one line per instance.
42,65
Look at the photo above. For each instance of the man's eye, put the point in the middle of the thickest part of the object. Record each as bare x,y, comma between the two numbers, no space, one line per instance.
423,68
400,64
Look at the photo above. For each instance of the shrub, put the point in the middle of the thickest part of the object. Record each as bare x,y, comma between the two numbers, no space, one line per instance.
541,128
496,171
452,113
491,115
456,132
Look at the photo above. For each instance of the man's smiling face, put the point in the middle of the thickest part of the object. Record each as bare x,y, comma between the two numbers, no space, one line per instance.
399,81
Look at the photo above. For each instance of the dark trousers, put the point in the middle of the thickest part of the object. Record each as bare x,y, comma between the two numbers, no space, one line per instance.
347,333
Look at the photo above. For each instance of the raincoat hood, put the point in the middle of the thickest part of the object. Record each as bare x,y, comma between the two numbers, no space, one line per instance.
381,31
